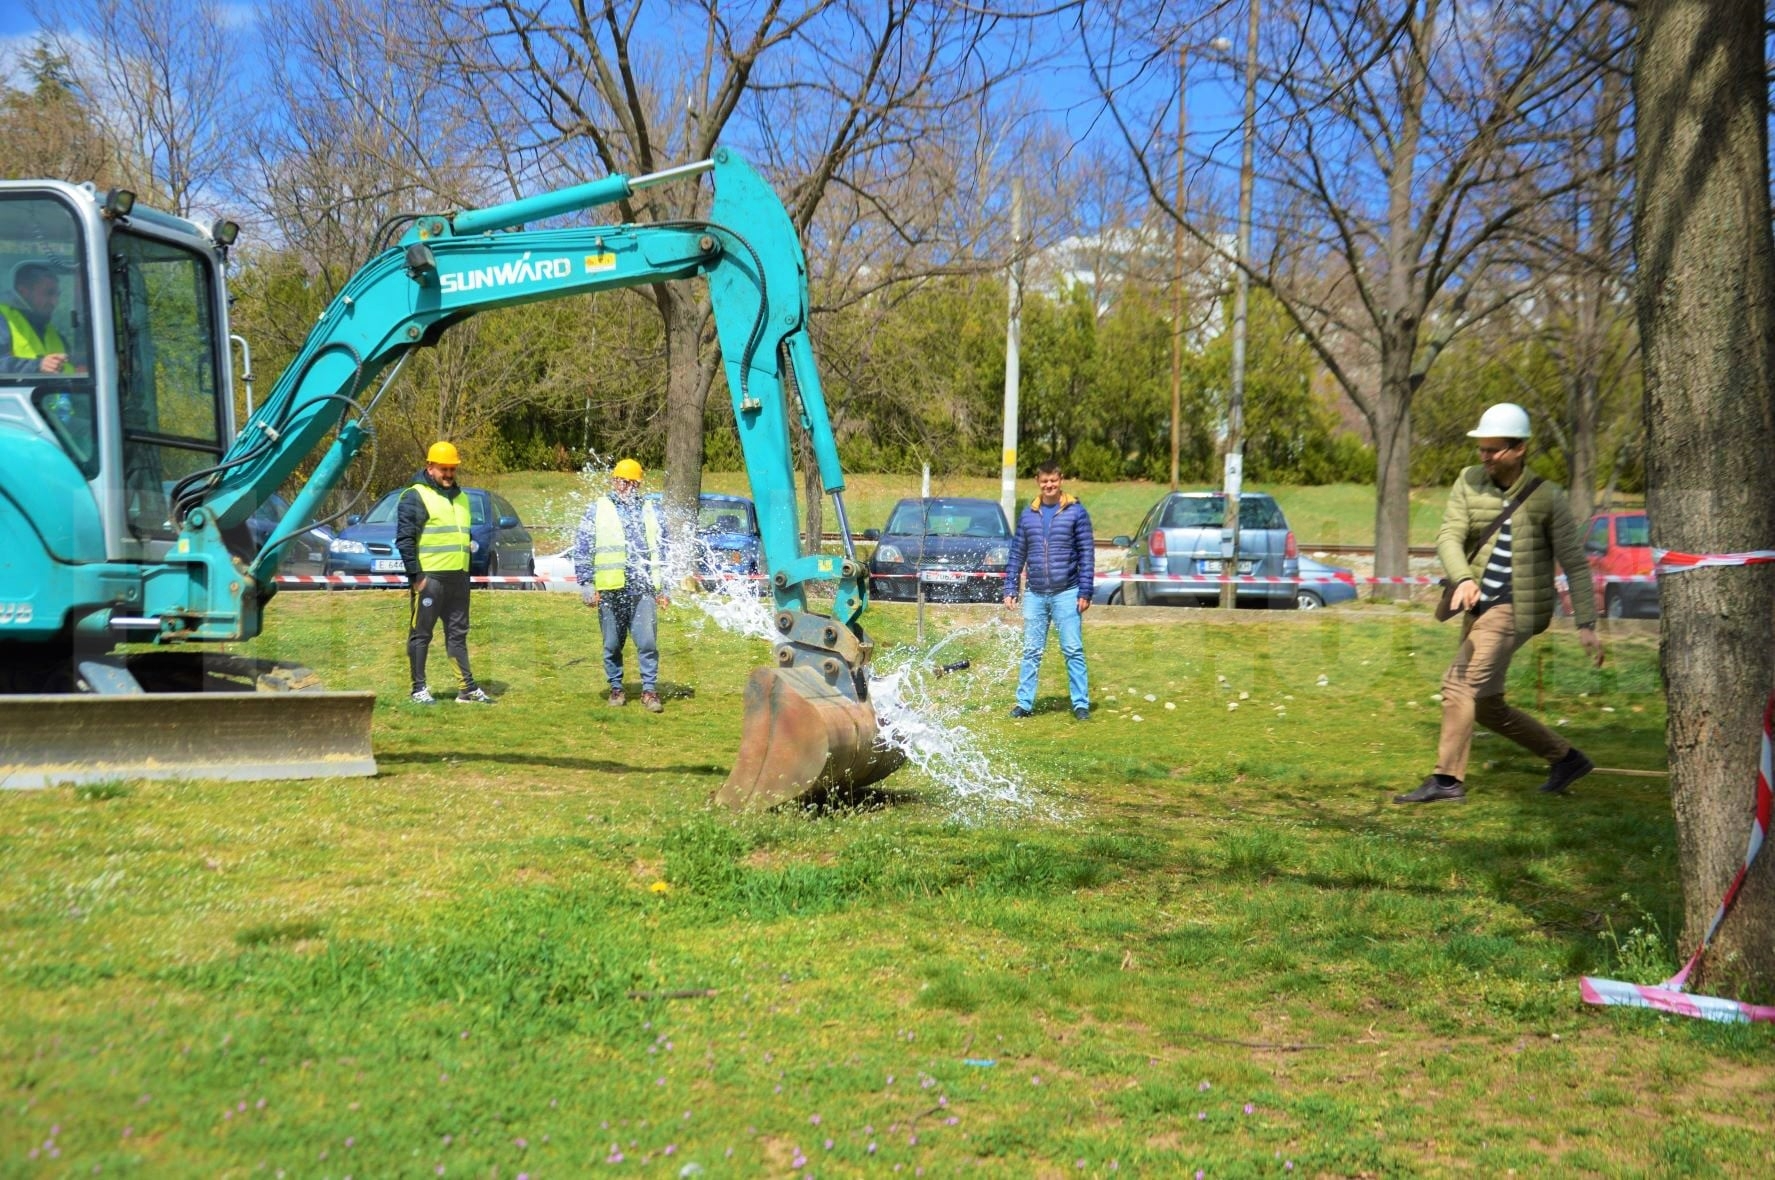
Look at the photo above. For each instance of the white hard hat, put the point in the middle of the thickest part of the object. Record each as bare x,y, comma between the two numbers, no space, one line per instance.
1504,420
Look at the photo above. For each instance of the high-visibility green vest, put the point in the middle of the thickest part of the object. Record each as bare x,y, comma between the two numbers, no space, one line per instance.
610,547
443,543
27,345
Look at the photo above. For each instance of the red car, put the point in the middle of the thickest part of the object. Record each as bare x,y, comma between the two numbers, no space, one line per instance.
1619,546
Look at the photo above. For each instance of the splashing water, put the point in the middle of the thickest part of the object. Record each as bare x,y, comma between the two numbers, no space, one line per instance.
920,711
920,714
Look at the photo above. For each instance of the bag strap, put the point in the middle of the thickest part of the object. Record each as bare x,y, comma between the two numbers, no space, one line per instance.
1504,516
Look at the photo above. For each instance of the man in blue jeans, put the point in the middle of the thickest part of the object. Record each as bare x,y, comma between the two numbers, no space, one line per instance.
1053,546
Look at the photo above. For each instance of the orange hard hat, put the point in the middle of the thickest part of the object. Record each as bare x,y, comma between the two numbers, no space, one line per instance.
443,454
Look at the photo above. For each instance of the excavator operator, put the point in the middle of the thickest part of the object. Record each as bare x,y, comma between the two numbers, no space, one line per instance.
431,534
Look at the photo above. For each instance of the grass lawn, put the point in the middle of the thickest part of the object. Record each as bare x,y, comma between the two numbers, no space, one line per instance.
1203,940
1336,514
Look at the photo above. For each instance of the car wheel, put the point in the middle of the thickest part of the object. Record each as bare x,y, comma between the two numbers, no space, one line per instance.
1614,603
1115,598
1308,600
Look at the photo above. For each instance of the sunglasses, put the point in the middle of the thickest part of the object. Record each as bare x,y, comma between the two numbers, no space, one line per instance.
1494,452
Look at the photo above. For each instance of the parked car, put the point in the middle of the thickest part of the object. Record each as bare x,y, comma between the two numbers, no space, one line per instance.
500,543
1321,586
956,547
305,553
727,536
1619,545
1183,536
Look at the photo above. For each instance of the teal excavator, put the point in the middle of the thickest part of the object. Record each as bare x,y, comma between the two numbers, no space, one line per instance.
125,491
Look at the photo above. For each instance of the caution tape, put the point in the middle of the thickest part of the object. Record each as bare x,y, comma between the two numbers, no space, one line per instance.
1668,561
1669,996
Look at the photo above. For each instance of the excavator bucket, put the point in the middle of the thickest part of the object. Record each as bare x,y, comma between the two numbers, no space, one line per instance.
809,729
281,727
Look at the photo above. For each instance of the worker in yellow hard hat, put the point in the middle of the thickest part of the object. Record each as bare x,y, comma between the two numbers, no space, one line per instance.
619,559
431,533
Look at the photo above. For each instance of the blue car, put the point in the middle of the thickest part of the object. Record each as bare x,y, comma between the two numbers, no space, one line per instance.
1320,586
955,547
727,538
501,546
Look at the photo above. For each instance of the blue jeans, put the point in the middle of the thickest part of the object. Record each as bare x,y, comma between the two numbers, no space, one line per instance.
1062,610
620,616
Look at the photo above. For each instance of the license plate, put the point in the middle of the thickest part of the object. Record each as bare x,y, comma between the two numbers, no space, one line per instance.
944,577
387,565
1213,567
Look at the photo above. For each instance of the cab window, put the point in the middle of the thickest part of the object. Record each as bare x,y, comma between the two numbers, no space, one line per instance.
1633,532
163,304
1598,540
45,319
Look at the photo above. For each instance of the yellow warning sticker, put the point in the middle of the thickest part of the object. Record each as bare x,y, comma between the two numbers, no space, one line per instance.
599,262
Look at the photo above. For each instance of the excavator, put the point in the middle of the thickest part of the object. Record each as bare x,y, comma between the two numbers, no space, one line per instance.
125,490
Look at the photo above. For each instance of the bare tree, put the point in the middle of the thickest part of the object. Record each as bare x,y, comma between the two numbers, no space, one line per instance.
159,77
1707,317
635,87
1400,150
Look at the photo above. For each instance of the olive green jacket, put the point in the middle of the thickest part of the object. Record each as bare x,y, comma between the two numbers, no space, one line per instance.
1541,532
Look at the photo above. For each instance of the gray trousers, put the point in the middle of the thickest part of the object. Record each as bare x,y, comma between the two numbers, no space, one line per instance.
623,614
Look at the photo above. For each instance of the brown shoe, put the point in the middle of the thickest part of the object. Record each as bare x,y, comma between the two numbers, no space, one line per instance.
618,697
652,701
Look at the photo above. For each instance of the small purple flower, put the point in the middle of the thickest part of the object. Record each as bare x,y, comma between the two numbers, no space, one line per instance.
241,1106
659,1081
800,1161
942,1100
440,1169
1036,1080
912,1141
814,1119
951,1120
615,1156
1201,1116
260,1104
449,1139
350,1141
890,1080
1079,1163
228,1114
1204,1086
520,1143
1249,1108
828,1145
465,1034
1289,1166
1198,1174
871,1148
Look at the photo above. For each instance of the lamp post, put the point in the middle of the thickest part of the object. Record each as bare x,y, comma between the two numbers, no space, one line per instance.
1220,44
1235,418
1007,495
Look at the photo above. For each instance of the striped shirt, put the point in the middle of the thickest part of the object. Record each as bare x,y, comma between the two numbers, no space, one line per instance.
1494,583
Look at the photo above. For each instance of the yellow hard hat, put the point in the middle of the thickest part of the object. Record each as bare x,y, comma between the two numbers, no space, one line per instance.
627,469
443,454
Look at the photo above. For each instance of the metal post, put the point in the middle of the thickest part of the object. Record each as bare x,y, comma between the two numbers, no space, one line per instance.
1235,419
1013,336
1177,266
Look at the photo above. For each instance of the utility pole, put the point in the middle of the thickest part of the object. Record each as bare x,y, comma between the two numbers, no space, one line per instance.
1013,337
1235,418
1177,264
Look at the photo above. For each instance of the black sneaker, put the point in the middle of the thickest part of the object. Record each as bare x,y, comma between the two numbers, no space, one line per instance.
1081,714
1568,770
1432,791
1019,711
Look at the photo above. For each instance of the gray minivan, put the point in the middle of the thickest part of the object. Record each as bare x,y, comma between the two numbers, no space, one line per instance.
1183,540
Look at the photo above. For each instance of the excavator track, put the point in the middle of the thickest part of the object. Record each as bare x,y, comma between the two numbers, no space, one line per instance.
193,716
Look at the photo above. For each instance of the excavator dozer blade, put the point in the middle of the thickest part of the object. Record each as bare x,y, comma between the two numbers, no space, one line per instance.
51,739
802,738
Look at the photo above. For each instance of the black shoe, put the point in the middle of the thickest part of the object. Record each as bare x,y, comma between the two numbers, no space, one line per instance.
1081,714
1432,791
1568,770
1019,711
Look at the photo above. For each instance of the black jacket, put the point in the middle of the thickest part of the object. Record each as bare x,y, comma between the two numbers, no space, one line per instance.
409,521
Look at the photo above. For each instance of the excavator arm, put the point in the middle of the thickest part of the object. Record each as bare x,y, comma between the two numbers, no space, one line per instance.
809,725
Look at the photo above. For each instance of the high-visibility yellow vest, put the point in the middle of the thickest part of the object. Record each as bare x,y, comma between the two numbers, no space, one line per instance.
26,343
610,547
443,543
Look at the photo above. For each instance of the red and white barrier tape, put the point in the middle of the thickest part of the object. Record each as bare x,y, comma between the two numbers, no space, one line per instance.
1669,996
1667,561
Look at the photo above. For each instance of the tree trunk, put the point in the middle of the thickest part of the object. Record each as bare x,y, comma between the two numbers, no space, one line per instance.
1707,279
1391,423
686,397
1583,402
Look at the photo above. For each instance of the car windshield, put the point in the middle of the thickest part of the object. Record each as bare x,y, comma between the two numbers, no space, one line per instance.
948,518
1633,531
724,517
1209,512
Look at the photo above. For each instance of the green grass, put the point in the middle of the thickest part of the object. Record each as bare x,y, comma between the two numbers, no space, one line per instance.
1210,944
1336,514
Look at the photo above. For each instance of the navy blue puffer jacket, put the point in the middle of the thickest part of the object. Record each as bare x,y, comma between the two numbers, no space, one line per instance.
1058,552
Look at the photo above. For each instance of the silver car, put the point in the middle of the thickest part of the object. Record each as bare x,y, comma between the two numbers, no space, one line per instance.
1183,544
